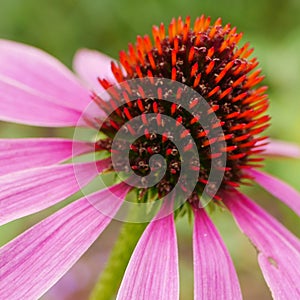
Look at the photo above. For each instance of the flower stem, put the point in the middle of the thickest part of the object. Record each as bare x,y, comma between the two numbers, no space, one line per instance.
110,279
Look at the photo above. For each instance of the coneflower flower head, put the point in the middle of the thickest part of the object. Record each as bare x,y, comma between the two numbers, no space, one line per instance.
205,58
181,117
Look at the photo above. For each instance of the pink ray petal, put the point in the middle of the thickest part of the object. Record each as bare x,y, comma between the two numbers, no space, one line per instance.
282,149
29,191
279,250
20,104
278,188
214,273
37,259
152,272
20,154
39,71
91,65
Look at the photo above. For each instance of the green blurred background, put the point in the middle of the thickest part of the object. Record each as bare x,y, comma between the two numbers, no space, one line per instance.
272,26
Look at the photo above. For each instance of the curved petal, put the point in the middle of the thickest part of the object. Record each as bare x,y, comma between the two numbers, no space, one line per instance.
21,104
35,260
214,272
39,71
29,191
20,154
278,188
282,149
90,65
279,250
152,272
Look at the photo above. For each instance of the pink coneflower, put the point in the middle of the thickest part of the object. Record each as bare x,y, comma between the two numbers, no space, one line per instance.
37,90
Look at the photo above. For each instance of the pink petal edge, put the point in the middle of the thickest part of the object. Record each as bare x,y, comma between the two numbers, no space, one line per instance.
152,272
39,71
278,188
214,273
282,149
20,104
29,191
37,259
91,65
21,154
279,250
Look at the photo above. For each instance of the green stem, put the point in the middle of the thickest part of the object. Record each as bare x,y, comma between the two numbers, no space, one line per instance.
112,275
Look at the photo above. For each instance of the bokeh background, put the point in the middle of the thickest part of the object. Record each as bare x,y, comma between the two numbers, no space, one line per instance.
60,27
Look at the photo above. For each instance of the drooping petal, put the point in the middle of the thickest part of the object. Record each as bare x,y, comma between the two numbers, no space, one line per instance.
19,104
282,149
42,73
278,188
29,191
91,65
35,260
279,250
152,272
214,272
20,154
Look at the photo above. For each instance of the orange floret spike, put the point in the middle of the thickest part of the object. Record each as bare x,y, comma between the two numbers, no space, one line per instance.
160,93
194,69
239,81
206,23
174,59
197,80
179,25
155,33
138,71
218,22
132,54
247,53
214,91
140,105
212,32
172,29
210,67
151,60
223,46
126,98
194,120
173,76
241,50
232,32
162,31
140,43
198,39
141,57
199,24
193,103
127,113
191,54
176,44
141,92
149,74
179,93
147,44
155,107
196,24
224,71
158,46
173,108
116,70
185,32
188,21
210,52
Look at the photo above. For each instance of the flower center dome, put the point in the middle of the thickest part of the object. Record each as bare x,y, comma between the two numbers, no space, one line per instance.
204,57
